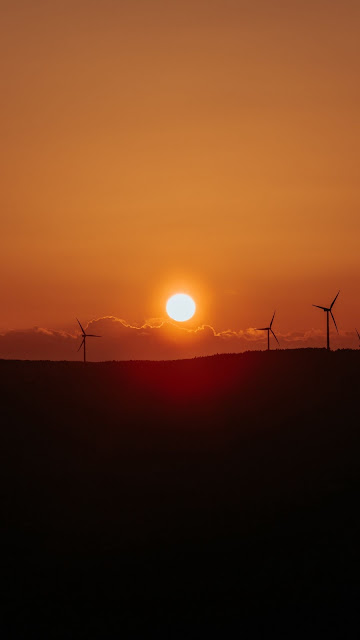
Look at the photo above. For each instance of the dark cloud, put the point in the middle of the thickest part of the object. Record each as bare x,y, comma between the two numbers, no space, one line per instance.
155,340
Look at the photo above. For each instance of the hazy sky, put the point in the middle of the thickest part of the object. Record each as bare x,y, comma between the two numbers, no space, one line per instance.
154,146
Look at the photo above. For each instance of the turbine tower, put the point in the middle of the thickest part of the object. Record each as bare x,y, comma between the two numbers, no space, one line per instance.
328,311
268,329
84,336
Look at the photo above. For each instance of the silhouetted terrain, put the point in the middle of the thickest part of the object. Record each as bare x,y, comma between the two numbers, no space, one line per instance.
178,498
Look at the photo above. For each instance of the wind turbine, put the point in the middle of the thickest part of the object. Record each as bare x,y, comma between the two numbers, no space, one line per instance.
84,336
268,329
329,311
358,335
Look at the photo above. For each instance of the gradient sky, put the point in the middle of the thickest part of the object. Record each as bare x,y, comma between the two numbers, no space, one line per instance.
150,146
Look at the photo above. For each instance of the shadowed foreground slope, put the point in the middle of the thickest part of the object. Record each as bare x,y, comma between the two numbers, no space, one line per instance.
232,479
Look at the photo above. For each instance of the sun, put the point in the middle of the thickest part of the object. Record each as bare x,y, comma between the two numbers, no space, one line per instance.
180,307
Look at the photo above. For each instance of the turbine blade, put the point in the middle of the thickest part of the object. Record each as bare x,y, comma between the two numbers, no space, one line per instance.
91,335
81,344
275,337
333,302
334,321
323,308
262,329
81,327
358,334
272,319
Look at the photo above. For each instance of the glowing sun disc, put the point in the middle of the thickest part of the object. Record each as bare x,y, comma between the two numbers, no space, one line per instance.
180,307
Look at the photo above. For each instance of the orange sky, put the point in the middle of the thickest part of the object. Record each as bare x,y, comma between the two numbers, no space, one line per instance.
151,146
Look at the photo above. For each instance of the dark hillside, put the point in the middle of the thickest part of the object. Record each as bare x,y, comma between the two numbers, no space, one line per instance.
223,492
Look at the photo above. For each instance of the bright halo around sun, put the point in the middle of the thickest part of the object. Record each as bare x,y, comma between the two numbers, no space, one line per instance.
180,307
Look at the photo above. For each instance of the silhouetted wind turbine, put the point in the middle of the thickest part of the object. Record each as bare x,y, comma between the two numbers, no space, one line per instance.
268,329
358,335
329,311
84,336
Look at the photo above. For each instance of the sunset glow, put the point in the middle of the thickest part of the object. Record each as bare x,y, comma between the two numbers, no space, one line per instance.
152,146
